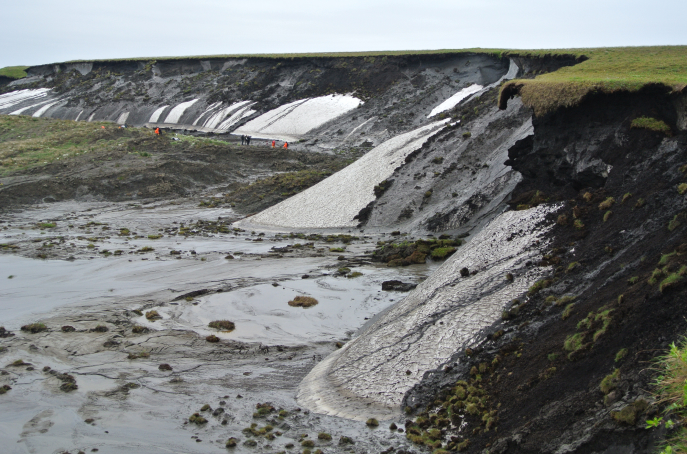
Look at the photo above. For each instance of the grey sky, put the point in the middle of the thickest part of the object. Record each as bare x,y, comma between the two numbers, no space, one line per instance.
46,31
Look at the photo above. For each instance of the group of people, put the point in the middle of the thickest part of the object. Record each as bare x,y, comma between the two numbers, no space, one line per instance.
245,140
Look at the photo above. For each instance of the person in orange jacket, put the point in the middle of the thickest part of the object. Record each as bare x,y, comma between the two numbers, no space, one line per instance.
286,145
274,142
157,131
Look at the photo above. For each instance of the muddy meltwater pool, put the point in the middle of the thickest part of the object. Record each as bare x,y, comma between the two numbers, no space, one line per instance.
97,269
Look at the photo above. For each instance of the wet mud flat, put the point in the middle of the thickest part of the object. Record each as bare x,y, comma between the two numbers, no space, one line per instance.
95,372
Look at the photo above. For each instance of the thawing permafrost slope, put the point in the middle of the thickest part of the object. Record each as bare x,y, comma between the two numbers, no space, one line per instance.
335,201
367,378
13,98
454,100
290,121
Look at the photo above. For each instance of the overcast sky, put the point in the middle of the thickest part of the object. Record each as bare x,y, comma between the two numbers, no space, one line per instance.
46,31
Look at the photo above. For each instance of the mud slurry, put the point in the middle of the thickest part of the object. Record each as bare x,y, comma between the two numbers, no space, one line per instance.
103,375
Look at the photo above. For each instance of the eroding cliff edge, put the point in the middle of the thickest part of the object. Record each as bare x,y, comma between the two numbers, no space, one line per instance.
568,367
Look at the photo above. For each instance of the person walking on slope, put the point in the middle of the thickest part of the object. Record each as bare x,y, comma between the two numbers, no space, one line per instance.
274,142
286,145
157,131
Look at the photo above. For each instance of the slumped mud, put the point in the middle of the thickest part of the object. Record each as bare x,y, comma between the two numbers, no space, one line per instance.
134,377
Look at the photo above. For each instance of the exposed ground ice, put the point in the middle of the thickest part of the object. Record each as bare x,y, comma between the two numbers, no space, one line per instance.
291,121
369,376
334,202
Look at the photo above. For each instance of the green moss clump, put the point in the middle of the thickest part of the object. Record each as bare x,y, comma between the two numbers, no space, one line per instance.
568,311
34,328
372,422
633,280
68,387
308,444
674,223
572,266
608,383
665,258
672,280
222,325
652,124
578,224
441,253
606,204
324,436
153,315
655,276
682,188
197,419
607,215
574,342
303,301
346,440
622,353
627,415
539,285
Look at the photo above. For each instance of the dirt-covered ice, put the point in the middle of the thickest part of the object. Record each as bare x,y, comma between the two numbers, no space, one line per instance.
335,201
370,375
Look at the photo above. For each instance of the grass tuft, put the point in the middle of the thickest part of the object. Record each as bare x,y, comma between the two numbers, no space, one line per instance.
222,325
303,301
651,124
34,328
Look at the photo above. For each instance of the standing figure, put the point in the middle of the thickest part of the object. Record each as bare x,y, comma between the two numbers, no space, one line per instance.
157,131
243,139
274,142
248,140
286,145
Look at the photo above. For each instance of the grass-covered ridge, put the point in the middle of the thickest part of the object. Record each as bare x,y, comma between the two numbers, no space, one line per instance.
14,72
28,142
606,70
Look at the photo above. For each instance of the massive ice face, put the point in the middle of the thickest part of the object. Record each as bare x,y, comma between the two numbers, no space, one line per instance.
335,201
290,121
